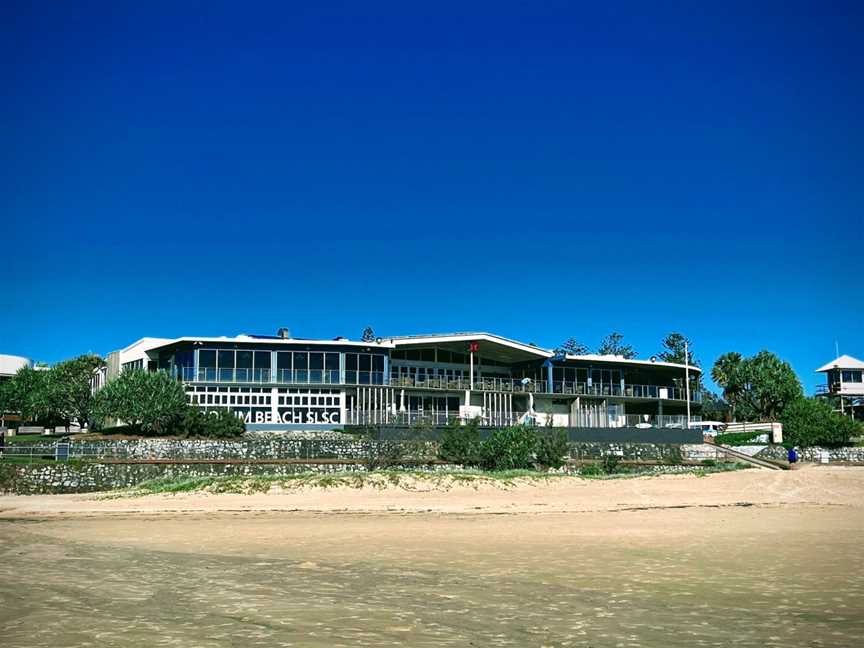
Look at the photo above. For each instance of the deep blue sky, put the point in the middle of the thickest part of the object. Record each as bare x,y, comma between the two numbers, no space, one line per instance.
539,170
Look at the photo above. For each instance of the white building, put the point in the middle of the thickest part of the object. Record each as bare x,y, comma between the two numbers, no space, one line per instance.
844,380
279,382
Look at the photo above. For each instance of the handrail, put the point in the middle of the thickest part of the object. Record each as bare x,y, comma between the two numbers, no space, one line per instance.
436,382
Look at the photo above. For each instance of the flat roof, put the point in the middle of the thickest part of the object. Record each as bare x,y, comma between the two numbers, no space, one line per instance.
250,339
594,357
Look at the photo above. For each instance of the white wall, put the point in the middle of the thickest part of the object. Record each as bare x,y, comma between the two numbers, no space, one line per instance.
10,364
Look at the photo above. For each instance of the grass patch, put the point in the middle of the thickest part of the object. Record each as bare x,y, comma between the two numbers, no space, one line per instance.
380,479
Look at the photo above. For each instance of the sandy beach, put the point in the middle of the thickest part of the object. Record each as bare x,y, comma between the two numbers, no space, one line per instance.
810,486
750,558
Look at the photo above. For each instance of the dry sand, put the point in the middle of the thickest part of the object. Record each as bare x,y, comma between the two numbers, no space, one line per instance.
813,485
751,558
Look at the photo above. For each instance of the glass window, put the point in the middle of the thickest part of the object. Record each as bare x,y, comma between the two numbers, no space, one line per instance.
365,361
444,355
332,362
226,359
262,360
413,354
427,355
244,359
377,363
351,361
316,361
206,358
301,360
283,360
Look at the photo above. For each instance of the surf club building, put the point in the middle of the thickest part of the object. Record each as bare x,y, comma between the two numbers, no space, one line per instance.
282,383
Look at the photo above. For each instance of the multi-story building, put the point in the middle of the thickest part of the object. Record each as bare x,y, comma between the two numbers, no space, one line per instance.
284,383
9,366
844,384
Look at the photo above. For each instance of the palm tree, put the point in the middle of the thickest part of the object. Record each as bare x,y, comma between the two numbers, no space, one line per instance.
726,372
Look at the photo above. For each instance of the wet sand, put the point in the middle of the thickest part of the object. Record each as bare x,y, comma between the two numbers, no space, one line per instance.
753,558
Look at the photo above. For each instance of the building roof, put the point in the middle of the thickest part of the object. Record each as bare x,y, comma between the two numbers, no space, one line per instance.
446,338
503,348
594,357
843,362
239,339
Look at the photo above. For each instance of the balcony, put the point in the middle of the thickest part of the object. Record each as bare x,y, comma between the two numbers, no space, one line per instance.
443,383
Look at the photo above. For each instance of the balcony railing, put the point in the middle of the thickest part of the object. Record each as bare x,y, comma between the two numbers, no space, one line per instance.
445,383
497,419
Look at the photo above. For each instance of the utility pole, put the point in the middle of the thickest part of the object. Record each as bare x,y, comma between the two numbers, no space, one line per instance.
687,379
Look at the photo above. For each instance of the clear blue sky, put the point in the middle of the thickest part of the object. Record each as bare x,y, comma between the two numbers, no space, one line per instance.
536,171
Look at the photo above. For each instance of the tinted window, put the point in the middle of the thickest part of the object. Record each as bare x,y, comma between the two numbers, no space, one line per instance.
206,358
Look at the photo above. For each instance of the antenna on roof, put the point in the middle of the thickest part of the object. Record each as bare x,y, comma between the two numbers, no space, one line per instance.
836,349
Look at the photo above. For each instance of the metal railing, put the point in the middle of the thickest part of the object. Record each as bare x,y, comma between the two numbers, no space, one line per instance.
434,382
418,417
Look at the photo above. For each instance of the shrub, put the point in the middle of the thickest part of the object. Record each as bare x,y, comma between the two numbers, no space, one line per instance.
610,464
812,422
737,438
149,403
218,424
552,448
460,444
509,448
591,470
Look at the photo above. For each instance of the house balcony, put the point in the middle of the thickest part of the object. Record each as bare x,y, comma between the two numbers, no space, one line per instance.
319,377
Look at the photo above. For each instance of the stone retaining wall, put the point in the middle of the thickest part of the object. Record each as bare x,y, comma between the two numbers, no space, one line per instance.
853,454
330,447
86,477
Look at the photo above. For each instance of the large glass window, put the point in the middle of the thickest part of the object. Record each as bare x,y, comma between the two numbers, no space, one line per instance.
331,367
226,366
316,367
283,367
262,366
244,366
301,366
206,365
351,368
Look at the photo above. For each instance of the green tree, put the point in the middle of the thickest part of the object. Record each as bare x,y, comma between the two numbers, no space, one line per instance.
572,346
726,373
150,403
509,448
29,394
553,447
460,444
611,345
714,408
768,385
676,348
217,424
368,334
812,422
69,389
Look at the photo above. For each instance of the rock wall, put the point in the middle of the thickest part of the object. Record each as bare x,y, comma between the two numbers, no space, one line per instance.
264,448
854,454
